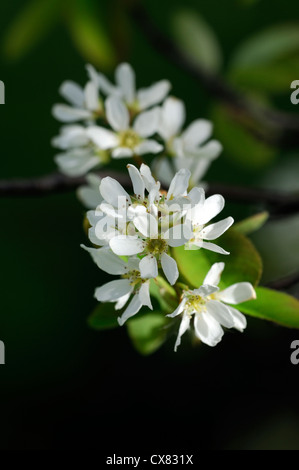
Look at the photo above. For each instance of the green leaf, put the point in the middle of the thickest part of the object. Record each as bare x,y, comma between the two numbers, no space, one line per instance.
196,39
274,306
90,36
29,27
147,332
251,224
104,317
240,145
243,264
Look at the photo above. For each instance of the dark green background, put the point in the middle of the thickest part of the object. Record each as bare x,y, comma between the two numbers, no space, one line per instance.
65,386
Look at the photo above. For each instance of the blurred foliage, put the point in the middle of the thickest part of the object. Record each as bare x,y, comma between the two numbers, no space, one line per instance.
147,332
251,224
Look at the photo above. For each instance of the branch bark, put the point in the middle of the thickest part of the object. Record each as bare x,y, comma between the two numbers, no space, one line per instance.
274,127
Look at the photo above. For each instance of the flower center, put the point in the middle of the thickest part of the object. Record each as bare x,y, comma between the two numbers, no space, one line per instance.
156,246
129,139
195,302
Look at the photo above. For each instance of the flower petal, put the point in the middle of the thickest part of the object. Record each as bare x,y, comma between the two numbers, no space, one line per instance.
170,268
137,181
125,80
207,329
91,96
237,293
147,224
147,177
214,274
133,308
113,290
122,152
213,247
148,267
220,313
76,162
122,301
154,94
178,235
172,118
179,184
144,295
117,113
185,323
213,205
213,231
106,260
205,290
148,146
147,123
197,133
66,113
179,309
113,192
126,246
73,93
102,137
240,321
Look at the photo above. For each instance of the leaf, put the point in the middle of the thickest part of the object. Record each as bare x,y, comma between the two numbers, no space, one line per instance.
104,317
90,36
240,145
196,39
274,306
164,294
29,27
251,224
243,264
147,332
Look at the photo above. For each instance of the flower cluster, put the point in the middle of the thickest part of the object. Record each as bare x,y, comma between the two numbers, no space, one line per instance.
104,121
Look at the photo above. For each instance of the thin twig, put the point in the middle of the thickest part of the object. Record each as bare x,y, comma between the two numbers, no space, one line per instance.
278,128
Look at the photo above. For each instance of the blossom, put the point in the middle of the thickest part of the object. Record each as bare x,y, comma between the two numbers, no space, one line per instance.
120,290
211,309
126,140
189,148
89,194
80,153
84,103
126,90
198,217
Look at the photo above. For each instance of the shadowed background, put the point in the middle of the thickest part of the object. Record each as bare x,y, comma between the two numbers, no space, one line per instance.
64,385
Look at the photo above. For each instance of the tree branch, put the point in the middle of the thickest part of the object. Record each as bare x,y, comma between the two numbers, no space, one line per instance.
278,203
278,128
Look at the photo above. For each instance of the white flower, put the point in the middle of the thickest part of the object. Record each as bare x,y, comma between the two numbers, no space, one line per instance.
146,225
126,140
208,306
125,88
89,194
119,291
199,215
85,103
189,148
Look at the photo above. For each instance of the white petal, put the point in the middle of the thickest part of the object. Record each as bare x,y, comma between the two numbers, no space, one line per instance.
133,308
207,329
213,247
237,293
197,133
93,74
106,86
148,179
213,231
102,137
178,235
113,192
144,295
147,123
137,181
170,268
148,146
163,170
154,94
205,290
117,113
173,116
122,152
209,151
240,321
106,260
125,79
220,312
148,267
126,246
212,207
200,168
113,290
76,163
89,197
147,224
185,323
179,309
66,113
122,301
71,136
73,93
179,184
197,196
91,96
214,274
